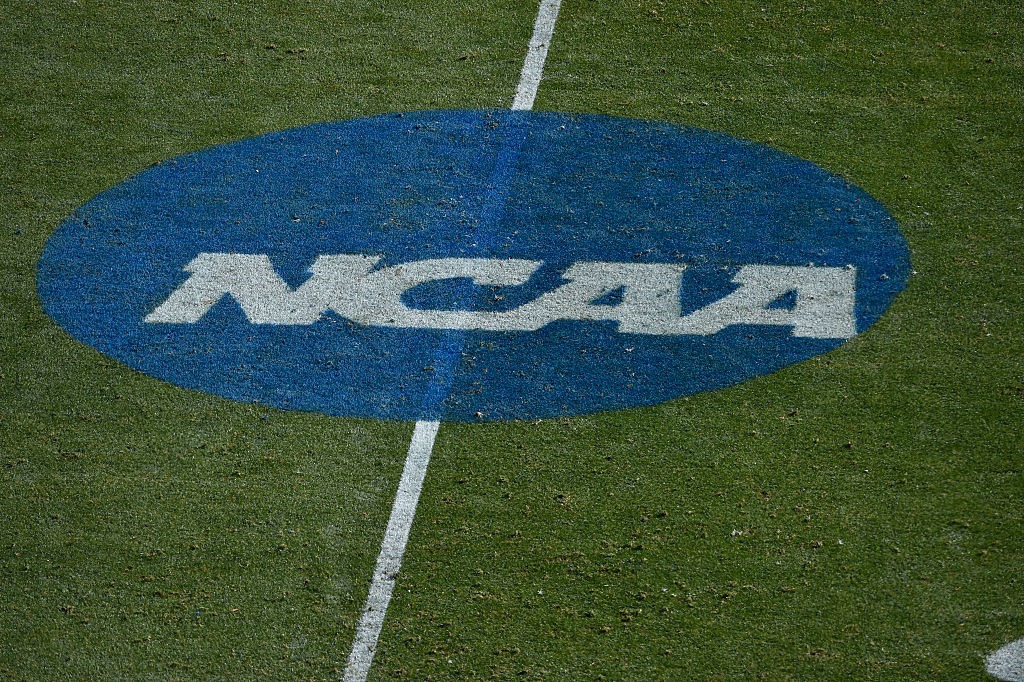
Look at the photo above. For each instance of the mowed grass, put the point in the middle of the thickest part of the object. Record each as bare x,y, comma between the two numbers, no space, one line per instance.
150,530
154,531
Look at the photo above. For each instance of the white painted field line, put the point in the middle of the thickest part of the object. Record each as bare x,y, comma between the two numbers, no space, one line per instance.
391,551
536,55
404,510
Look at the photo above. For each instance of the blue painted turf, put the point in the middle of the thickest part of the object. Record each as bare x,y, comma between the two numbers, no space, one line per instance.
535,185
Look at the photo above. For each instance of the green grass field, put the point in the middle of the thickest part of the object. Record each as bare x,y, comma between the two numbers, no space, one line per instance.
150,531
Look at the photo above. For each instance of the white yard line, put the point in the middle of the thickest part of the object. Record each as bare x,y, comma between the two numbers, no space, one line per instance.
391,551
533,66
397,534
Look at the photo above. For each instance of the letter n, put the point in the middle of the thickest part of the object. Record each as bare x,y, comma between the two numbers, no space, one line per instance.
264,297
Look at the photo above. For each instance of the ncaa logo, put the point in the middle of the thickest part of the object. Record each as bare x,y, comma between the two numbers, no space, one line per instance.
467,265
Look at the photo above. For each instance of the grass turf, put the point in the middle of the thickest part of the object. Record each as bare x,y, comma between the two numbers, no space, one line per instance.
153,531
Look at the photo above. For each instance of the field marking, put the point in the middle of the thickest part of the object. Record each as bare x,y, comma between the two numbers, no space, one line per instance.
389,561
536,55
1008,663
391,551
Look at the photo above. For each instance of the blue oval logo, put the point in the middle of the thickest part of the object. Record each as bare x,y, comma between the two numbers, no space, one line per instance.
467,265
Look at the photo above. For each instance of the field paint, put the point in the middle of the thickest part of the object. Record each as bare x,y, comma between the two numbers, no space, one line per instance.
1007,663
824,307
404,510
536,55
386,280
391,551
